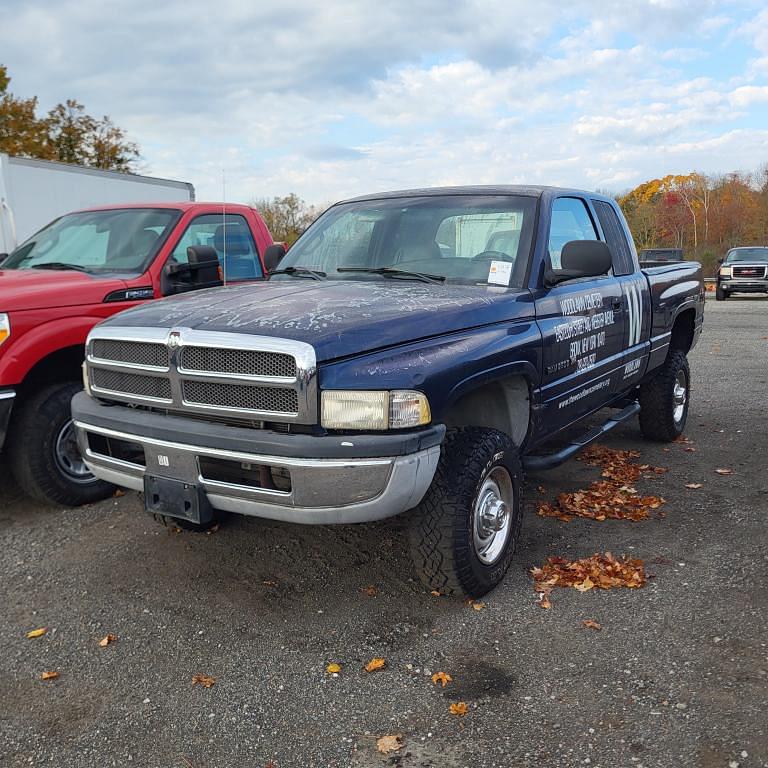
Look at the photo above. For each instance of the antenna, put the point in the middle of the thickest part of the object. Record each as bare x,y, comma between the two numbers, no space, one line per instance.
224,224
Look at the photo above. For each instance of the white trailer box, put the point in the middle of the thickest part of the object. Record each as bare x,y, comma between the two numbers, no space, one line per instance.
34,192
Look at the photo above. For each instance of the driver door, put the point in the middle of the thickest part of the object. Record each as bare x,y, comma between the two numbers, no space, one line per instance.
582,326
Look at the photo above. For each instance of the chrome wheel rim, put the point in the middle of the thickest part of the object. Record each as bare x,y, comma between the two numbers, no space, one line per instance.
67,455
679,397
491,516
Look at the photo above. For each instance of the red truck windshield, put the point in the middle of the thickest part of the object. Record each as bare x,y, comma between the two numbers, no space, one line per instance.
121,241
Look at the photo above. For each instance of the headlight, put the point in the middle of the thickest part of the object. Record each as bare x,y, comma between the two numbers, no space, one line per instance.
725,271
350,409
5,327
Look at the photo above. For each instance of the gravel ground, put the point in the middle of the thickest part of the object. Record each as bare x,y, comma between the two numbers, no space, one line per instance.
678,675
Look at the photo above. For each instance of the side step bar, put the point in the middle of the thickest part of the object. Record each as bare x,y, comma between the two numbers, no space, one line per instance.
548,461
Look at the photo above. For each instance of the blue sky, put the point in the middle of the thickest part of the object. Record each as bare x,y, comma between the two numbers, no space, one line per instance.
350,96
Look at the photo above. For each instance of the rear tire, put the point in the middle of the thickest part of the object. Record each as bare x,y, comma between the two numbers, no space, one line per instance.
664,400
44,457
720,294
464,532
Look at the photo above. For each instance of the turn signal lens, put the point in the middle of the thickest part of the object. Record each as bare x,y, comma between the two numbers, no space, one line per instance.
5,327
374,410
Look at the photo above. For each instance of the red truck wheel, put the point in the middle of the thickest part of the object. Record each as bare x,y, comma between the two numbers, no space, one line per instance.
44,457
464,532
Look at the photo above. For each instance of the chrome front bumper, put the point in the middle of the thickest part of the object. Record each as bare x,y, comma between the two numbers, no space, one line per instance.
323,490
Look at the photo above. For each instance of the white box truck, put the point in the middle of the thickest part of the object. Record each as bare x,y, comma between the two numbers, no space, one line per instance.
34,192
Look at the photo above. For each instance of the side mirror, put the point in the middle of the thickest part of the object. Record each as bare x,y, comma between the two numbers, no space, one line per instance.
202,271
578,259
3,257
273,256
719,261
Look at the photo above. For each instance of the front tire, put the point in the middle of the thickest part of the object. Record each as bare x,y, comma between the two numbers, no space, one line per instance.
44,457
464,532
720,294
664,400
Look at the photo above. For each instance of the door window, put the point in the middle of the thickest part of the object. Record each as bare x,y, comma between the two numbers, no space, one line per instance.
229,235
570,221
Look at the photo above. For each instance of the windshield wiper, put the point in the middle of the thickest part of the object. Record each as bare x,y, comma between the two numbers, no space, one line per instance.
300,272
59,265
425,277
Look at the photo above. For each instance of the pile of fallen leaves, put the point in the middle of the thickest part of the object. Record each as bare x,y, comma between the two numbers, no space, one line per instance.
613,498
596,572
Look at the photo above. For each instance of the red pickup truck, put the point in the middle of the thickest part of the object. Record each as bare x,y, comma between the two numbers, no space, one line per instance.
77,271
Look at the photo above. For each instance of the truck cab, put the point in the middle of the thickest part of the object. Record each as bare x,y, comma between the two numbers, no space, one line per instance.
80,269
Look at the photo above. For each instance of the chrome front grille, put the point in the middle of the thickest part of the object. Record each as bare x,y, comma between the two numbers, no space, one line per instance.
247,362
753,273
240,397
134,352
203,372
148,387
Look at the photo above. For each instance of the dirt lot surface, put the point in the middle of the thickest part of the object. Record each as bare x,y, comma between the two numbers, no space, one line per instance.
677,676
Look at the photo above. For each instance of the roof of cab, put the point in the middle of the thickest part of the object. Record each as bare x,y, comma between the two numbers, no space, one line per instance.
525,190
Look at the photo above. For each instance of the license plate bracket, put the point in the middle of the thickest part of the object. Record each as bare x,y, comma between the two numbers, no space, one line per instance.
176,498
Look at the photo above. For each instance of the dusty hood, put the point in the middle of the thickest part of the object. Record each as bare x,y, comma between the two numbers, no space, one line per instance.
337,317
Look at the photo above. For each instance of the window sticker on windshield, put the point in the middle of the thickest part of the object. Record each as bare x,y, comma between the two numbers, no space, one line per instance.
500,272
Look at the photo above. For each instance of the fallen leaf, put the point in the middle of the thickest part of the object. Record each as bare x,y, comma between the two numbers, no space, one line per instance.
476,605
544,601
459,708
212,529
387,744
36,633
375,664
724,471
585,585
49,675
203,680
269,583
118,493
591,624
694,486
333,669
370,590
435,593
441,677
596,572
105,641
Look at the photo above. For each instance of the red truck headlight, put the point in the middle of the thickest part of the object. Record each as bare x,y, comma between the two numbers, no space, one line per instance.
5,327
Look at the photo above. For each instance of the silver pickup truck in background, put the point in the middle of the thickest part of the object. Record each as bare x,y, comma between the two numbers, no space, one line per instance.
743,270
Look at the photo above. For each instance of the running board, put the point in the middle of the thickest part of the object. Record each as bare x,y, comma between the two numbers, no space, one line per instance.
548,461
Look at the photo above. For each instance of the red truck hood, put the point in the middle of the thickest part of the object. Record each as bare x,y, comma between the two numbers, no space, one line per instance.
22,289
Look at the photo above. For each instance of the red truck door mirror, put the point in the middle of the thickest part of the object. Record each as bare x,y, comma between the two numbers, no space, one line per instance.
3,257
202,270
578,259
273,256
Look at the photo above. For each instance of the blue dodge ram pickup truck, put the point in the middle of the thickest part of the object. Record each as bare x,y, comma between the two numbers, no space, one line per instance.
413,353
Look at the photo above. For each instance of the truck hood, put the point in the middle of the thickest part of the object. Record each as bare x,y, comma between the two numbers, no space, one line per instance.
22,289
338,317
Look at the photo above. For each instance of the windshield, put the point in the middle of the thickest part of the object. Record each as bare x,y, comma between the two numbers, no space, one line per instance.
471,239
746,254
96,241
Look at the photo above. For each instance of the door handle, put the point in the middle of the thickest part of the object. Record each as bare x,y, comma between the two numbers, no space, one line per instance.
616,304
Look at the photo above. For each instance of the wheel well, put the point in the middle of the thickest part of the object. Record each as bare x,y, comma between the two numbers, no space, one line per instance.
682,331
61,365
504,405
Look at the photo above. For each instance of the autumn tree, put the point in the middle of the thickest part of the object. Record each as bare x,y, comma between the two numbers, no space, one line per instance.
286,217
67,133
21,133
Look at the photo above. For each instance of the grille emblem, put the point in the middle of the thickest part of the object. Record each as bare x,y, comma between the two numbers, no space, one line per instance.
174,340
